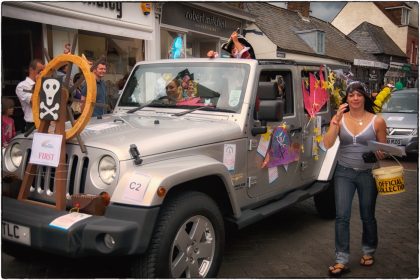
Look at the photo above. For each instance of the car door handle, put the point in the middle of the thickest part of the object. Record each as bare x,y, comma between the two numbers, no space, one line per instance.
294,130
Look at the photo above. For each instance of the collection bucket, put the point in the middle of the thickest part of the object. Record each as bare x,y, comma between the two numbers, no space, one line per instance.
389,180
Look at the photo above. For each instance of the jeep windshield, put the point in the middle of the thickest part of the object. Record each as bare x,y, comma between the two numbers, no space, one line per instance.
206,86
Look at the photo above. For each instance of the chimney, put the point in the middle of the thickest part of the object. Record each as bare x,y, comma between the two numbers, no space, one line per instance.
301,6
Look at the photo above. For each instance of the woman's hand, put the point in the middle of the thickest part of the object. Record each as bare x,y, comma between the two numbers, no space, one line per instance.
212,54
337,118
234,36
380,155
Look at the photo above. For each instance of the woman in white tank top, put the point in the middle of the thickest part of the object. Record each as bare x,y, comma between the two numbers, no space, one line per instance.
355,124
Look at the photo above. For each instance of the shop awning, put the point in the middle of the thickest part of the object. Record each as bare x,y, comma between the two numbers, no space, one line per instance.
370,63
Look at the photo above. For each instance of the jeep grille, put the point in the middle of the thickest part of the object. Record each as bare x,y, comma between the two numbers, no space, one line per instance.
42,188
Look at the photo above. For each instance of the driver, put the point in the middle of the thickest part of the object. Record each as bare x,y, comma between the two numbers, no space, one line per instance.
173,91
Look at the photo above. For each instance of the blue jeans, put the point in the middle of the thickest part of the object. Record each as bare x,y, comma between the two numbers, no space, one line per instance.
347,181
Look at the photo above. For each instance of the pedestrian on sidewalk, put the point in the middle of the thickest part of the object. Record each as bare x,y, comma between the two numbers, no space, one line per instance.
24,91
355,124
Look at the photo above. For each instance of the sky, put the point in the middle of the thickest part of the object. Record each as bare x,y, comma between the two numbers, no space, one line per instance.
325,10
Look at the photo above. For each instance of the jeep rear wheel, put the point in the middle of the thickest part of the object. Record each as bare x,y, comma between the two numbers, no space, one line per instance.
188,240
325,203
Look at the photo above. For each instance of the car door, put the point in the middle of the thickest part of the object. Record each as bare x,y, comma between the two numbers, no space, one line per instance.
264,181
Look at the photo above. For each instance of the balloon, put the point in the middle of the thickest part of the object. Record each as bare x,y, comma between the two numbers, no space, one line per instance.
176,50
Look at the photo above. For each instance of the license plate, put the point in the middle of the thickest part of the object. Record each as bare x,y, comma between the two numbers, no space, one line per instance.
394,141
16,233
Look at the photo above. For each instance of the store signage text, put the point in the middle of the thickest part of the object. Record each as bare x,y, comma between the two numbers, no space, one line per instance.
113,6
201,17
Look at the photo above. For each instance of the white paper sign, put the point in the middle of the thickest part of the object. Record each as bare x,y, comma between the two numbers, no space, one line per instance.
136,188
66,221
234,97
318,124
389,148
263,144
46,149
273,174
229,155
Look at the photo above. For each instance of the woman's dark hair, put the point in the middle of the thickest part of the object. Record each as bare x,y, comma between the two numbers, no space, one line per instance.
360,88
76,77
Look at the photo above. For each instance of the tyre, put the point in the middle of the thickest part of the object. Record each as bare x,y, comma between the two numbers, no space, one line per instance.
325,203
187,242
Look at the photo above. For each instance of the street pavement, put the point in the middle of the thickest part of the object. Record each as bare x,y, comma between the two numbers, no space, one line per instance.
294,243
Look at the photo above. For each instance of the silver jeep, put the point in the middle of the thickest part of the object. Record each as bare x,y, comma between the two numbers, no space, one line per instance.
178,171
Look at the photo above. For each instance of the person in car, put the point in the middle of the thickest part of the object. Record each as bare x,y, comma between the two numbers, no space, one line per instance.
173,91
237,47
355,124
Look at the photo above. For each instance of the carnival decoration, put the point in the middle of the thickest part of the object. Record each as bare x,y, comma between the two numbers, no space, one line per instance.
176,49
317,138
50,99
281,151
382,97
317,95
337,82
51,106
90,100
399,85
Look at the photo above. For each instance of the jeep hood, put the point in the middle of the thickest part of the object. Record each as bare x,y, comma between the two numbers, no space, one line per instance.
155,134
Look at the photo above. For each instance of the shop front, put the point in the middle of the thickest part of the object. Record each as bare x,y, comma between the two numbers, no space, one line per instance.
371,73
191,30
123,32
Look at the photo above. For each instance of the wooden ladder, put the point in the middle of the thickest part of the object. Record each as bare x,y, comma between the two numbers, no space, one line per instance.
60,180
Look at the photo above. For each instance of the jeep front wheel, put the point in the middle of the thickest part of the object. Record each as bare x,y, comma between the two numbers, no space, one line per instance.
187,242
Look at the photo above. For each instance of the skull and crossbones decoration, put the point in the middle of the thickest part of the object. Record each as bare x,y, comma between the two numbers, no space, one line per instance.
50,99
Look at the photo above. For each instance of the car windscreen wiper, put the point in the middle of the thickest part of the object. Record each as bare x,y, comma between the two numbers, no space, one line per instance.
204,108
189,111
138,108
153,103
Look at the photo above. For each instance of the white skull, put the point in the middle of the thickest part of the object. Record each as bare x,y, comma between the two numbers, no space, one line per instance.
50,87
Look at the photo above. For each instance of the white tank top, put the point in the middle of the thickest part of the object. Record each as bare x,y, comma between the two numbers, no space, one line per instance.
352,147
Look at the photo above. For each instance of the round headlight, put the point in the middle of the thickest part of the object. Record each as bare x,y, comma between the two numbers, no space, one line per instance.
16,155
107,169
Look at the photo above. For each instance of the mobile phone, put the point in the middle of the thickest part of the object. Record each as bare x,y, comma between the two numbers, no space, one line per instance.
369,157
347,108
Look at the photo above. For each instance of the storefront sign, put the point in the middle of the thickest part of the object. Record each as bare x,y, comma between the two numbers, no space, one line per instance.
125,19
113,6
370,63
193,18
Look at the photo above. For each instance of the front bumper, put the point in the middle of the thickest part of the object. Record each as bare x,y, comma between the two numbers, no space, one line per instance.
412,147
131,227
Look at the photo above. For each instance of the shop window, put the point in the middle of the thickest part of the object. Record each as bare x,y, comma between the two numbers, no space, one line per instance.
121,53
